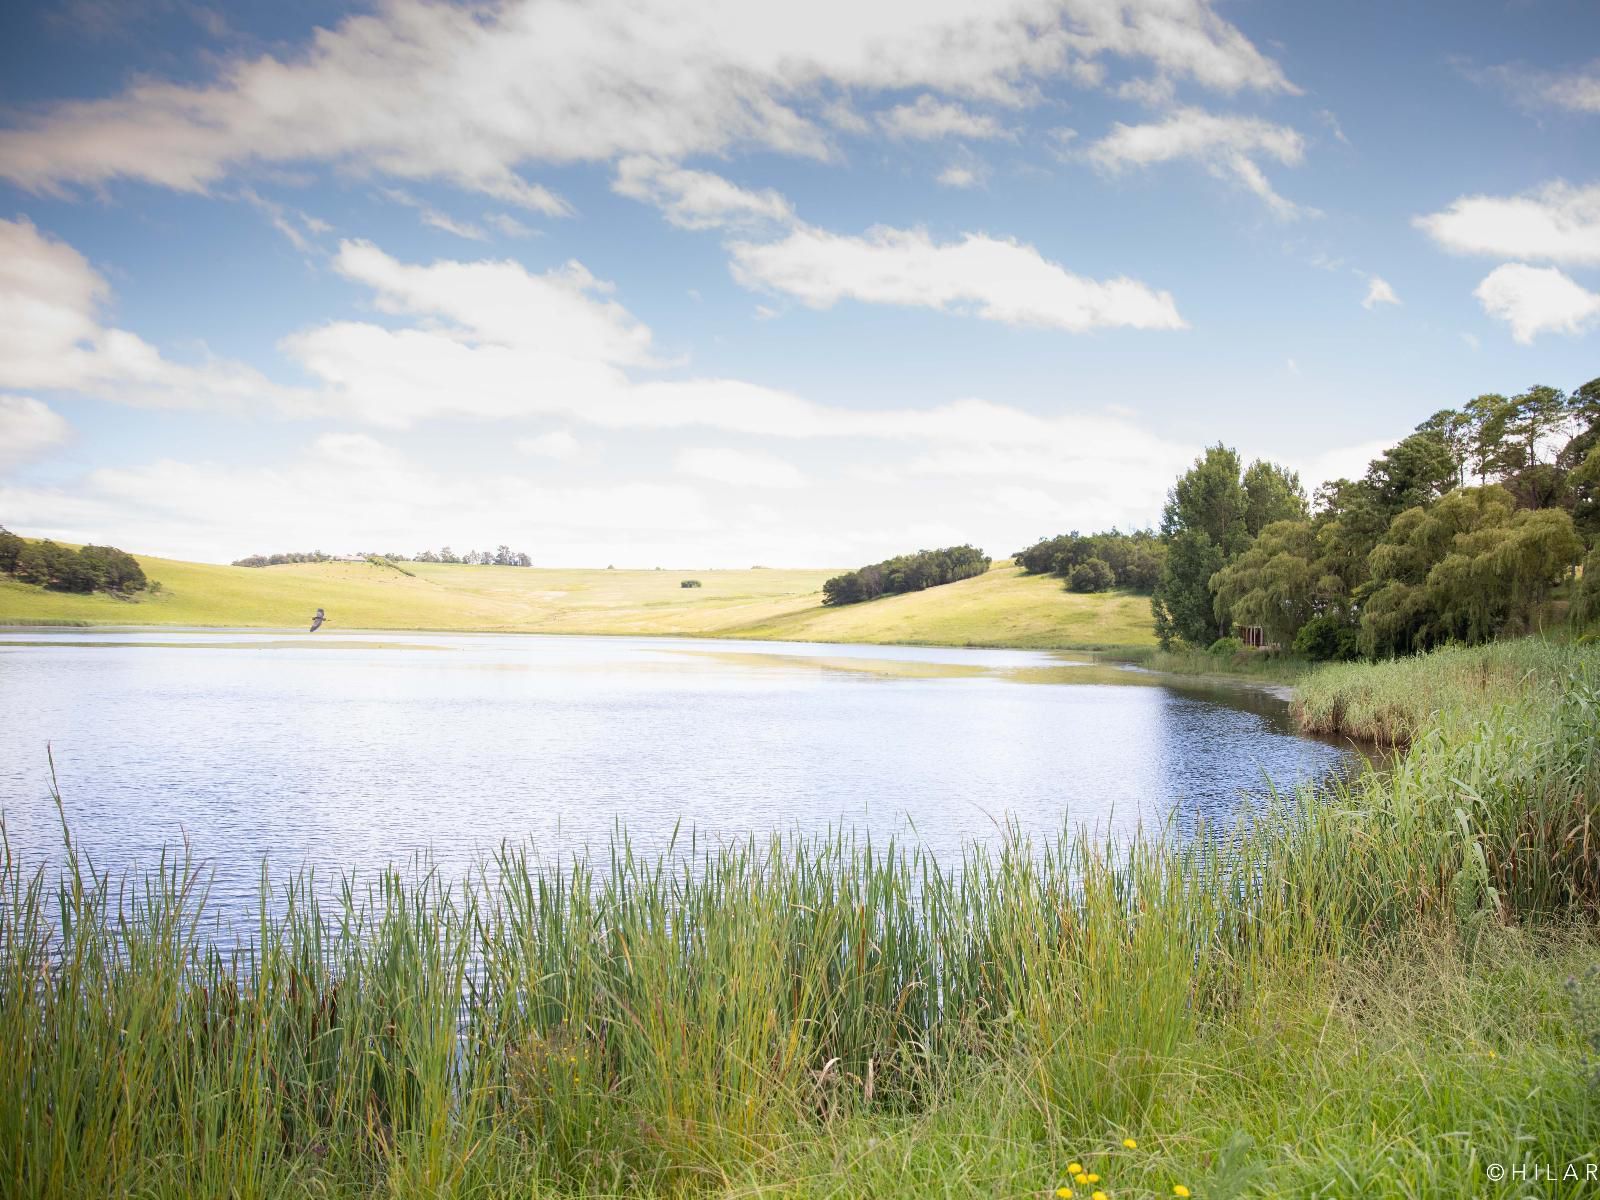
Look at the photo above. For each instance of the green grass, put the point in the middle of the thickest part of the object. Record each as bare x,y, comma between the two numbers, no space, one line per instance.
1001,608
1360,992
1393,701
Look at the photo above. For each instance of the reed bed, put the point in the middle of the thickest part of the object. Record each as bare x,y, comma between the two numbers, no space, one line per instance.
787,1015
1392,702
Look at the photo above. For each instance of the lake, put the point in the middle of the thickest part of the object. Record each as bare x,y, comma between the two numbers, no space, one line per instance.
346,750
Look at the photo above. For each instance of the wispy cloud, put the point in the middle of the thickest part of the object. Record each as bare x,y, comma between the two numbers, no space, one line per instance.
1227,146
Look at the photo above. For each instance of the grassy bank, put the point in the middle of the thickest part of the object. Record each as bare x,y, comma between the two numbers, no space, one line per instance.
1396,700
1243,664
1001,608
1364,992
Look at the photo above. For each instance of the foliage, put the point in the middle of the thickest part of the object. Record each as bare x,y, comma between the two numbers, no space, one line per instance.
1467,569
1287,577
1410,554
63,569
1134,558
278,560
689,583
1327,638
503,556
1092,575
1212,513
905,573
1225,646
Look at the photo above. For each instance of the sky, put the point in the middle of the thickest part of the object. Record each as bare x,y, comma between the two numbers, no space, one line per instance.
732,283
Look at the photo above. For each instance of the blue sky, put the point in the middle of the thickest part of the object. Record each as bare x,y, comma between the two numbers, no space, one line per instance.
728,283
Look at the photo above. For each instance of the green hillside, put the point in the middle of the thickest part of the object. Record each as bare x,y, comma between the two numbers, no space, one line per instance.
1001,608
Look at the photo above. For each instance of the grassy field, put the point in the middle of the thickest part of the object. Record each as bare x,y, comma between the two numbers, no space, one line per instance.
1389,990
1002,608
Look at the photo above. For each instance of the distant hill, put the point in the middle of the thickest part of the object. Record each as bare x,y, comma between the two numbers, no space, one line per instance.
1000,608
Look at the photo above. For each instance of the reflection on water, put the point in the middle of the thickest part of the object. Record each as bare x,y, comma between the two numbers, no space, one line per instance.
355,751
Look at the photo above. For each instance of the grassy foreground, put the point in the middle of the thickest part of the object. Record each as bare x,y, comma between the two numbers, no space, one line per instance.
1001,608
1387,990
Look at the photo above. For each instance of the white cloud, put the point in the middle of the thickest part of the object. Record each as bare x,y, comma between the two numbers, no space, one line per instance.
558,444
1378,292
28,428
506,224
433,217
930,119
476,94
1555,223
740,468
51,337
995,279
1535,300
957,176
1226,146
697,199
1577,90
345,491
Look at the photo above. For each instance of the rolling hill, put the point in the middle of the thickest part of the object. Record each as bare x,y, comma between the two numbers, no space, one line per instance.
1001,608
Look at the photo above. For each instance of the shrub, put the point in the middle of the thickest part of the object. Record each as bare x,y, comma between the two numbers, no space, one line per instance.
1092,575
689,583
1226,645
1327,639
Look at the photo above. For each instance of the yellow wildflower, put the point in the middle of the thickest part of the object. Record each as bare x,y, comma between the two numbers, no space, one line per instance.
1091,1178
1179,1190
1098,1196
1074,1168
1064,1192
1130,1143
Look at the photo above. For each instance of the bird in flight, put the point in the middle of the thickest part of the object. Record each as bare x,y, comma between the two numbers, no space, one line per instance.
316,621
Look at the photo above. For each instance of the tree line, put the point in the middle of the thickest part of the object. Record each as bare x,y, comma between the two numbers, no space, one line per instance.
501,556
1461,532
905,573
63,569
1098,562
278,560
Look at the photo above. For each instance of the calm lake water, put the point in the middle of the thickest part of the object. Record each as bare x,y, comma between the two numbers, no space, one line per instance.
351,751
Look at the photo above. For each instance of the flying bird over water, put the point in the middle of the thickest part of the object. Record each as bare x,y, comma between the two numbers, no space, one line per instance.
316,621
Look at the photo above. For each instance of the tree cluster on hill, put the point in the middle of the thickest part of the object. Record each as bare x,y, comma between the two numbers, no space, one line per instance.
278,560
906,573
1098,562
1460,532
62,569
501,556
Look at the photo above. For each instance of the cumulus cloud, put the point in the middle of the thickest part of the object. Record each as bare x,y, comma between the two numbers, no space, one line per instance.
28,428
992,278
1535,300
1227,147
52,337
477,94
1378,292
929,119
697,199
1555,223
740,468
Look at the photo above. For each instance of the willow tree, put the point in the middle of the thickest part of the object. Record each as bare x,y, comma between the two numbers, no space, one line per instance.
1467,569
